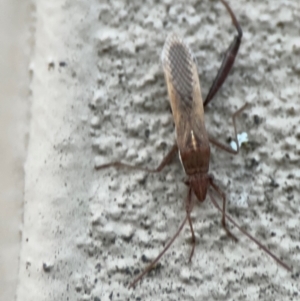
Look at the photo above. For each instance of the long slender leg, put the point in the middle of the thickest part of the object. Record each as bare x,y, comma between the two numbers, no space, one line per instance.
259,244
189,207
154,262
166,160
228,58
224,147
223,196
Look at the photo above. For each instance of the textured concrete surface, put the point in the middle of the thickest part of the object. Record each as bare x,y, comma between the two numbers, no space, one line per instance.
14,106
98,95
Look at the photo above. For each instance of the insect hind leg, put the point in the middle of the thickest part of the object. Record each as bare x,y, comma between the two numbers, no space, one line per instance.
229,58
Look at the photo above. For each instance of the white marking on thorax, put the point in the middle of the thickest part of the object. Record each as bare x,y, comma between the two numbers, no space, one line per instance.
181,161
194,141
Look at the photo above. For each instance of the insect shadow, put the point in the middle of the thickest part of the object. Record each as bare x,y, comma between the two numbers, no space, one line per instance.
192,139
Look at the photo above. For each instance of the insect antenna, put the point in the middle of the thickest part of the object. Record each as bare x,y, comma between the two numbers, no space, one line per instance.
259,244
189,208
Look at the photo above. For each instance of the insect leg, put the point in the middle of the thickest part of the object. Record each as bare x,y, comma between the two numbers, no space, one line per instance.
223,196
166,160
189,207
228,58
224,147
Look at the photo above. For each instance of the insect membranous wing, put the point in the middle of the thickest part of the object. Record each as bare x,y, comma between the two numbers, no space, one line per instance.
184,93
178,62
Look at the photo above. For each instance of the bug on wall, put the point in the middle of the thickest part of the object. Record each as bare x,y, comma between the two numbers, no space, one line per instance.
192,140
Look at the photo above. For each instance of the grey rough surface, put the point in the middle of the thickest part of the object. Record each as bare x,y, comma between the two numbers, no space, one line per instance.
137,212
117,216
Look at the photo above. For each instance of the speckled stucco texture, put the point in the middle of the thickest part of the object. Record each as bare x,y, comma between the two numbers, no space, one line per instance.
92,231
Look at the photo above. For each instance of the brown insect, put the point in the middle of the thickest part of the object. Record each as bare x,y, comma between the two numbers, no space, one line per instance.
192,139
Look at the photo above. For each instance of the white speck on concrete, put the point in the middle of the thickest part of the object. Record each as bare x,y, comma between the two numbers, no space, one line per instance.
241,138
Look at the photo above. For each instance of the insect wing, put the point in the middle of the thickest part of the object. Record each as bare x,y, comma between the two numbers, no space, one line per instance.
185,94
